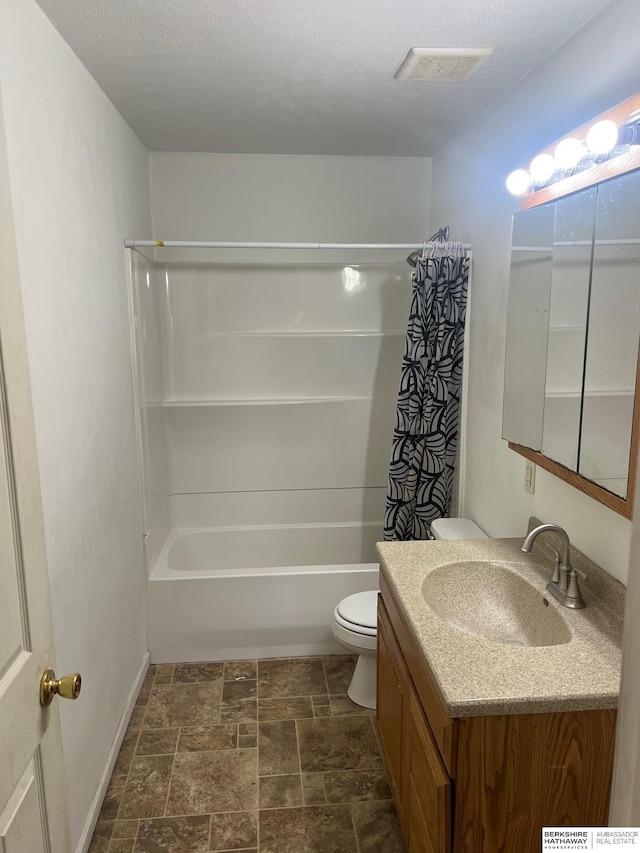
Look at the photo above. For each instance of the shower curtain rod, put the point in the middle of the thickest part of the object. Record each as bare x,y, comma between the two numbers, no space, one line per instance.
186,244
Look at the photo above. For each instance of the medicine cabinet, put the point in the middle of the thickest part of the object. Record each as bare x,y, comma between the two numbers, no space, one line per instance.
573,327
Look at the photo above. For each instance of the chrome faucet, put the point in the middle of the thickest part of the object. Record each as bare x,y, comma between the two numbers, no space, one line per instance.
563,586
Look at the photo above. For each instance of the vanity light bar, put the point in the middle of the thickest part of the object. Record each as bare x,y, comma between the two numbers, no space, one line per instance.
607,146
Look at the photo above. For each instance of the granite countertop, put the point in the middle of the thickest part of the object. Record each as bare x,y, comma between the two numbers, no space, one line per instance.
477,676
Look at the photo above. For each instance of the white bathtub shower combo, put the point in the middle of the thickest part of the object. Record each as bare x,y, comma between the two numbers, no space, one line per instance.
267,390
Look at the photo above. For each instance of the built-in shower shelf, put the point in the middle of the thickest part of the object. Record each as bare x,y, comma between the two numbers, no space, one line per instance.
578,394
297,333
262,401
567,329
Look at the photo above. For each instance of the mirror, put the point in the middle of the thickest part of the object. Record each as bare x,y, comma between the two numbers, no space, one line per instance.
567,329
527,325
573,328
614,329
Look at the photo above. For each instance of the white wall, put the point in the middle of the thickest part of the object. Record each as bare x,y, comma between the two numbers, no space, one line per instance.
80,185
593,71
289,198
625,793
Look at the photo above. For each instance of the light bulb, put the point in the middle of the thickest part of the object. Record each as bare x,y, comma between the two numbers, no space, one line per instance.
542,168
518,182
569,153
603,137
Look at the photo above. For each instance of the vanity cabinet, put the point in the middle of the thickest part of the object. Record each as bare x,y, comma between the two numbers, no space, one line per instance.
482,784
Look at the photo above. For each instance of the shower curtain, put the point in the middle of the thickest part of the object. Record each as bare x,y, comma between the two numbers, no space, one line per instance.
426,431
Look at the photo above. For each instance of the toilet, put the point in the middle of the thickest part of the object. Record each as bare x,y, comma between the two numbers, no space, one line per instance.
355,618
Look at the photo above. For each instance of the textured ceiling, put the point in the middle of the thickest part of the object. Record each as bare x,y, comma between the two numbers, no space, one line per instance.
304,76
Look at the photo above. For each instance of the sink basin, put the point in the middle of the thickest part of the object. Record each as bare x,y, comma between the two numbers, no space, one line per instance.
490,601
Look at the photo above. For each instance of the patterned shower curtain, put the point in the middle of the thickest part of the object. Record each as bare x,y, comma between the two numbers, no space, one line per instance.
426,432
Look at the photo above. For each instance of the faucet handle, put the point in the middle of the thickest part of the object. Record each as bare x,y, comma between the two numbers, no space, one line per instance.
580,573
556,570
573,590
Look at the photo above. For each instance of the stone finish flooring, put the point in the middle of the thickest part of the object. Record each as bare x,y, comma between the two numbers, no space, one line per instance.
266,756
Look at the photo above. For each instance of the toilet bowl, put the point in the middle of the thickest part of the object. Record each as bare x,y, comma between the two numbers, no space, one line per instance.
355,626
355,618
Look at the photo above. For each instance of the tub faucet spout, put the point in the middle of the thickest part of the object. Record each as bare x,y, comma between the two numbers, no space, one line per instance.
563,586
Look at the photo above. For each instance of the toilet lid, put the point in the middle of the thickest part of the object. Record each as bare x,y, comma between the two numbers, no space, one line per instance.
353,628
456,528
360,609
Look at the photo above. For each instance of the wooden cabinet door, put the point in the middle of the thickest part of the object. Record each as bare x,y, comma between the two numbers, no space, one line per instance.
429,786
392,707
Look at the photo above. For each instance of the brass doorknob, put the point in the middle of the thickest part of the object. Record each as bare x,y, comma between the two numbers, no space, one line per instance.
68,686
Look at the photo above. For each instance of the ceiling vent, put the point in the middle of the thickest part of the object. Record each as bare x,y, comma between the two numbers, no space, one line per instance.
441,63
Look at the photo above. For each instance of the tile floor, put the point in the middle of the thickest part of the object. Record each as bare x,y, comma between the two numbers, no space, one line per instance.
266,756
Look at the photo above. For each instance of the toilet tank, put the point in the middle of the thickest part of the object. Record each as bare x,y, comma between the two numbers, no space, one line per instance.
456,528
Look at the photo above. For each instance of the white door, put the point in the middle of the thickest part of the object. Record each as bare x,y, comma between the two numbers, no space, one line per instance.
33,810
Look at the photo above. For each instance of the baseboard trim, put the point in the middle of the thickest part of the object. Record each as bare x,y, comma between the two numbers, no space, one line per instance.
96,803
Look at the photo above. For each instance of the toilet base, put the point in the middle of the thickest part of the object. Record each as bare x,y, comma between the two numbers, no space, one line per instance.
362,689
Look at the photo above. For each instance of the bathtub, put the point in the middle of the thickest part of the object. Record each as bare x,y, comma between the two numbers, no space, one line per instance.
232,593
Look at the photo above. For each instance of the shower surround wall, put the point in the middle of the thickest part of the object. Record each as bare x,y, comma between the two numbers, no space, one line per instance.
327,466
269,397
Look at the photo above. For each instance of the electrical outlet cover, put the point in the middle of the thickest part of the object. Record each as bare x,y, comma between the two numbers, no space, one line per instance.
529,477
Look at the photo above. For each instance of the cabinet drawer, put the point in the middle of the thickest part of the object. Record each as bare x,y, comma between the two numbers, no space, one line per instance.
429,787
